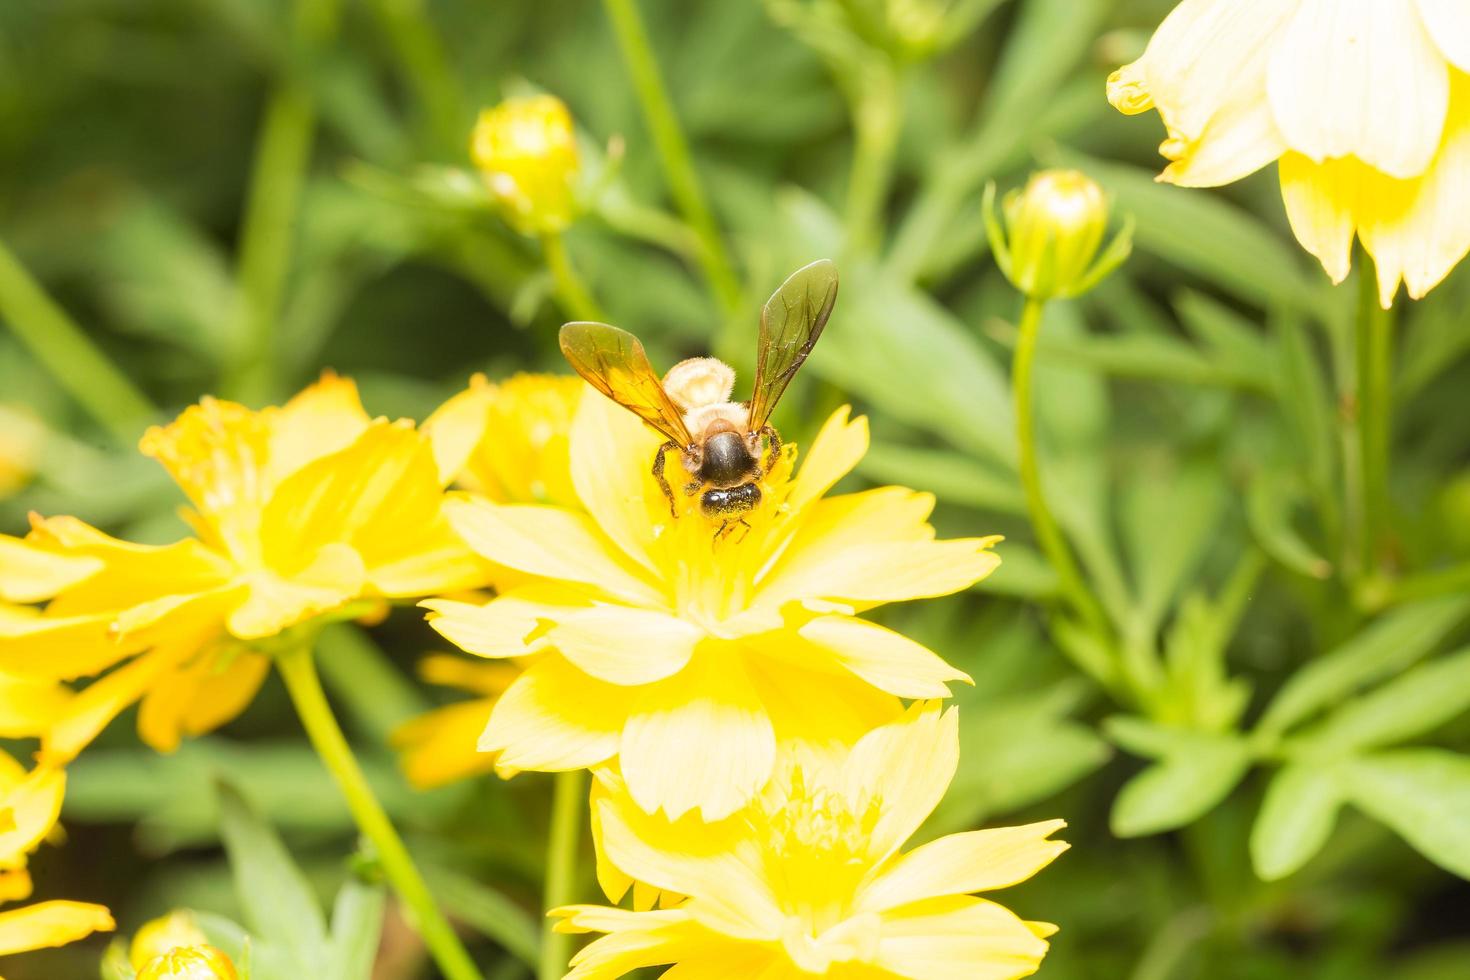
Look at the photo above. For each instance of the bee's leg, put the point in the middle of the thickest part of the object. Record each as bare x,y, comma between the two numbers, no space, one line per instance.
773,446
745,524
727,528
663,481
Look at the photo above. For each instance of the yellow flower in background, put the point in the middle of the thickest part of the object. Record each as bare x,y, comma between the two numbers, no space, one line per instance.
519,432
685,656
165,933
20,443
298,511
1365,104
526,149
439,746
30,803
809,879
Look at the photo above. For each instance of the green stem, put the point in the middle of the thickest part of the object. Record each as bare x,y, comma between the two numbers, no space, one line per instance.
561,868
65,350
571,291
305,688
876,122
673,151
1048,532
1375,412
426,70
277,176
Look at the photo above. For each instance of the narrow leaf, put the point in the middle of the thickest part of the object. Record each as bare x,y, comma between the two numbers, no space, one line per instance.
1296,819
1189,781
1424,796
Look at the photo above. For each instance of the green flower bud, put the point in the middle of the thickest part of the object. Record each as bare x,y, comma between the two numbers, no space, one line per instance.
1049,243
190,963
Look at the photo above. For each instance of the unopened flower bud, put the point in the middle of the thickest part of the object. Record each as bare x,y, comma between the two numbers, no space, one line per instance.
1048,245
527,150
165,933
203,962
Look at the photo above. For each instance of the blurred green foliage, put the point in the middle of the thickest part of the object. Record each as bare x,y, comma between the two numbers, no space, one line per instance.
1266,776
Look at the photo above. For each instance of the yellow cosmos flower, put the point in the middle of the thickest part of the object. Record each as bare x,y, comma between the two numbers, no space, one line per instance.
1366,105
527,150
30,803
809,880
298,511
203,962
686,656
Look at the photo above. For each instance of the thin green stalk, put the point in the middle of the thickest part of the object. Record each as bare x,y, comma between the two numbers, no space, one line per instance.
876,121
673,151
1375,412
1379,593
1048,532
561,868
426,70
277,175
305,688
65,350
571,291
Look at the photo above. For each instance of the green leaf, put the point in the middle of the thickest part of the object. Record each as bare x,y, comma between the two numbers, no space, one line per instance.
1237,345
1412,704
1306,402
1395,641
950,476
1204,235
1424,796
1195,774
1296,818
357,925
278,902
1169,520
1270,503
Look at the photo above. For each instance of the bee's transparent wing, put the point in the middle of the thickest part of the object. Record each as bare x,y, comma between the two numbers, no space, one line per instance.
613,361
791,322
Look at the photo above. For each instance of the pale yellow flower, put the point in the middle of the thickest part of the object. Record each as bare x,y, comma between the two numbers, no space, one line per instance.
809,878
1365,103
299,511
30,803
157,936
203,962
526,149
439,746
684,655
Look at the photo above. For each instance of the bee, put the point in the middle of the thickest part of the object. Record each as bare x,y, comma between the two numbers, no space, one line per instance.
720,442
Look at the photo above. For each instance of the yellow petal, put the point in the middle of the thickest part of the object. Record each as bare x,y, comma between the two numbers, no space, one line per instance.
889,661
958,939
437,562
714,864
699,740
1419,230
439,746
612,453
624,645
510,625
50,924
323,419
908,765
1205,71
977,861
28,707
550,542
837,449
1448,22
15,885
554,717
103,700
635,939
1360,78
34,805
456,427
30,573
57,648
820,707
1321,204
448,670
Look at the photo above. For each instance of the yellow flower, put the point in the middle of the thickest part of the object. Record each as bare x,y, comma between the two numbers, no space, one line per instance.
520,431
162,934
686,656
30,802
299,511
1366,105
438,746
809,880
527,150
201,962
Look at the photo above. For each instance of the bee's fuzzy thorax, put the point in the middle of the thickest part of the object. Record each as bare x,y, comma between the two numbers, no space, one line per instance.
699,382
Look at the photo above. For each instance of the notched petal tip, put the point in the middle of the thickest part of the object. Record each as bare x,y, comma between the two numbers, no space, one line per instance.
1128,92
